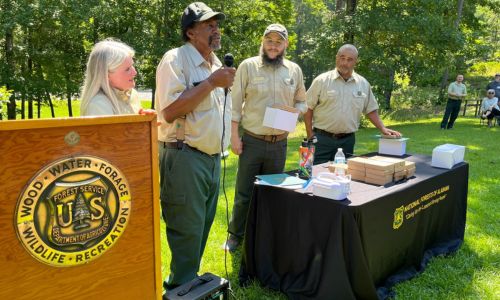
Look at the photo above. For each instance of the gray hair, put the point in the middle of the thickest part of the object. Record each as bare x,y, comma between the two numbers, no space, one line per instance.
105,57
347,47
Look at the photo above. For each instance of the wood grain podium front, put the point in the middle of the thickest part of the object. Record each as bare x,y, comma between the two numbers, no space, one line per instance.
79,209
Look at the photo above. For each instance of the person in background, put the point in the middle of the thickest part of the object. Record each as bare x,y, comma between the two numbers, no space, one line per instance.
336,100
489,106
191,105
456,92
109,81
261,82
495,85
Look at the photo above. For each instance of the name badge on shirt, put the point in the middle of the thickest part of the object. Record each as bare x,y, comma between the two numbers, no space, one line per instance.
331,93
258,80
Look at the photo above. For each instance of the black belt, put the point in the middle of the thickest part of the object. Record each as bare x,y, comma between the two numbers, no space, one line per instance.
268,138
333,135
454,99
179,145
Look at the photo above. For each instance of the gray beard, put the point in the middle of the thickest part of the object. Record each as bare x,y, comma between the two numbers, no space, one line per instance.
212,45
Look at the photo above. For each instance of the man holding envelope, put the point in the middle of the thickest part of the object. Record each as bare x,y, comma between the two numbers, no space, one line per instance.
261,83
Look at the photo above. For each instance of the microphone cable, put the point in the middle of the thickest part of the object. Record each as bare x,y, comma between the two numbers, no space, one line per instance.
228,62
224,179
224,192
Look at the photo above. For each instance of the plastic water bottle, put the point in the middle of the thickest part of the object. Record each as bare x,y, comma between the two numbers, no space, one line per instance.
339,159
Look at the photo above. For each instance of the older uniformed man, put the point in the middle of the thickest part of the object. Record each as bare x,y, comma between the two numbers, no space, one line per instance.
336,101
190,99
261,82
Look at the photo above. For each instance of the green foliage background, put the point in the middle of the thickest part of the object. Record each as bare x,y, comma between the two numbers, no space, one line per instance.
45,43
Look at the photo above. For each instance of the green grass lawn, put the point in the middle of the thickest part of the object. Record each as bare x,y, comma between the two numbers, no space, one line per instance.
471,273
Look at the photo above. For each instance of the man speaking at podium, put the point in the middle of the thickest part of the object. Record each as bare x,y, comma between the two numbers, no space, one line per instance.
190,100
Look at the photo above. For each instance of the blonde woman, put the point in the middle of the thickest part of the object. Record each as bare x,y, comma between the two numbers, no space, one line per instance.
109,81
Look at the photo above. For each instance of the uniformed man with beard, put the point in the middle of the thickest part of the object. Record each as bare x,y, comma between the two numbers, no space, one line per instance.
189,99
261,82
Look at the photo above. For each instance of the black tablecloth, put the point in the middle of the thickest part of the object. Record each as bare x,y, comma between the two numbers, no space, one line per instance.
311,247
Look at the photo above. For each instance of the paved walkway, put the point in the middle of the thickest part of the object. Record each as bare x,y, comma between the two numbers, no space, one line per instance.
144,94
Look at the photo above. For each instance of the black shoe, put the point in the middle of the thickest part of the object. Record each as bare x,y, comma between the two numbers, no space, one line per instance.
232,243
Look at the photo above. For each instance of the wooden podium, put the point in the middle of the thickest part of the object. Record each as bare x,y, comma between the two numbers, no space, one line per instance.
79,209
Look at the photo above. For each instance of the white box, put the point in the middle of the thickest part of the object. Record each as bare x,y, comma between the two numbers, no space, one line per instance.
280,119
392,146
447,155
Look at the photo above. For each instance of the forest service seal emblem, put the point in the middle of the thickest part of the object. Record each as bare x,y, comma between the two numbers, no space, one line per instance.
398,217
73,211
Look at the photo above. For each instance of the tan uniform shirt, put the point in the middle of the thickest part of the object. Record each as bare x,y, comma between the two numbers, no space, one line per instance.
177,71
337,104
257,87
100,105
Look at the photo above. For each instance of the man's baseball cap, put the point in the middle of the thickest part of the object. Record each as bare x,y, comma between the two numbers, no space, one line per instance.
198,12
279,29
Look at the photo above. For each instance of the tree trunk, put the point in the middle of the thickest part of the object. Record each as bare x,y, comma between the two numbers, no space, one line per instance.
30,72
444,81
390,88
68,93
9,57
39,107
49,99
351,12
153,92
442,87
70,109
30,108
339,6
23,105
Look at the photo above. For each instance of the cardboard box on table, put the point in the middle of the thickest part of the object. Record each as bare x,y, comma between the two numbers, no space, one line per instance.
125,264
391,146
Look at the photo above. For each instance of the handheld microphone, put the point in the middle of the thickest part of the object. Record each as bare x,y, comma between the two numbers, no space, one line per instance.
228,62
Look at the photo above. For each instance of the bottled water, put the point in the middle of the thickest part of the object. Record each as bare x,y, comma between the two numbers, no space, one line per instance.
339,159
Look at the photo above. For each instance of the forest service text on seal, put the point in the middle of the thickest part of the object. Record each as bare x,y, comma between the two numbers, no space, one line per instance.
73,210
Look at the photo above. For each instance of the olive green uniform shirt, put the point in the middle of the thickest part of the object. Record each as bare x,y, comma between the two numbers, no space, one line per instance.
257,86
177,71
339,104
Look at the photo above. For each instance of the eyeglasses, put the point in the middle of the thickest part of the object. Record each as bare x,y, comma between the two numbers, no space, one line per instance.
490,93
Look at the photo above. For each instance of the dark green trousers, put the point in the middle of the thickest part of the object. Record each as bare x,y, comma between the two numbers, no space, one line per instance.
189,182
327,146
258,157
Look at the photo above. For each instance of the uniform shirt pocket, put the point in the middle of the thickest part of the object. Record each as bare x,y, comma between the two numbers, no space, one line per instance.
289,86
258,85
359,99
